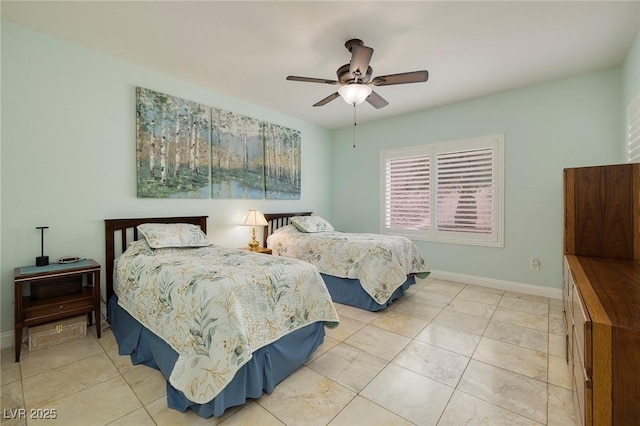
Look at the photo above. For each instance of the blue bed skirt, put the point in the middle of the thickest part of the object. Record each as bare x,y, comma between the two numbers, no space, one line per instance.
349,291
269,365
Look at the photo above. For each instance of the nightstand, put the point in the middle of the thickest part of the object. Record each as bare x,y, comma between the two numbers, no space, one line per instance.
263,250
57,291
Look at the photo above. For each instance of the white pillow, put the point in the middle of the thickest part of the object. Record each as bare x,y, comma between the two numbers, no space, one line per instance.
161,235
311,224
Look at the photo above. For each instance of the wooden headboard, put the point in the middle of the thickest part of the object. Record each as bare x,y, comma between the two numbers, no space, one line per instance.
125,230
277,220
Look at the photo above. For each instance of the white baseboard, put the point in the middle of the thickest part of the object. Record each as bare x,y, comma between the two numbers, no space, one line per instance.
552,293
6,339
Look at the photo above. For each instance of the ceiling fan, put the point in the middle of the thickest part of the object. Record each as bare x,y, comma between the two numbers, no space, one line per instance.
355,79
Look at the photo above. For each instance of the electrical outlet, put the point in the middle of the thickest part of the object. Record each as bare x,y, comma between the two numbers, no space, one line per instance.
535,265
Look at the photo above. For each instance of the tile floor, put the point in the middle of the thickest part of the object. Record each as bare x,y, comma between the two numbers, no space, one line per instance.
445,354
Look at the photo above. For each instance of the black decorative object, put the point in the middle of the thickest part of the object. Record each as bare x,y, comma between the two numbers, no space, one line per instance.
42,260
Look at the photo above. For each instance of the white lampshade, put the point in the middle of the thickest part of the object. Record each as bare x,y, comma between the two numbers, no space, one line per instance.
354,94
254,218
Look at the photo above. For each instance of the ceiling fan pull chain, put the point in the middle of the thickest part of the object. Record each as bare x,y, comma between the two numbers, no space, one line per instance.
354,125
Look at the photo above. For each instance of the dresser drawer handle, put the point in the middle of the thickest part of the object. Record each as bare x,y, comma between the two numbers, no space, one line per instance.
61,308
588,383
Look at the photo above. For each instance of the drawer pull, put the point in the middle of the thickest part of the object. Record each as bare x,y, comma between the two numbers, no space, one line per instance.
61,308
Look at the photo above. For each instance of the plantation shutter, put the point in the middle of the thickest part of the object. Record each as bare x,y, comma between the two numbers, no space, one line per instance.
465,191
446,192
407,193
633,130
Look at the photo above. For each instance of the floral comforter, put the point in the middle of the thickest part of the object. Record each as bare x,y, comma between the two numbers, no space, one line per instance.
381,262
215,306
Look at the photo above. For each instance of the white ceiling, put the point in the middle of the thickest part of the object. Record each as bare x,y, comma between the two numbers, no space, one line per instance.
246,49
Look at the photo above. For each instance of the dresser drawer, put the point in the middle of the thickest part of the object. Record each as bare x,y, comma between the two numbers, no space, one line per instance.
579,377
578,405
567,288
582,330
569,345
567,316
583,388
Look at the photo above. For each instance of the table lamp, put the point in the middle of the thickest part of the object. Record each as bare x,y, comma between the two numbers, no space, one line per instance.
254,218
42,260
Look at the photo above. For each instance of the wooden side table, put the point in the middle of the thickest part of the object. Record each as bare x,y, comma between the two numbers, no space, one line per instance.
263,250
31,311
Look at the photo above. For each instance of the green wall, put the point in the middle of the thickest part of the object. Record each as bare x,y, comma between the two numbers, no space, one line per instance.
630,82
565,123
68,154
631,72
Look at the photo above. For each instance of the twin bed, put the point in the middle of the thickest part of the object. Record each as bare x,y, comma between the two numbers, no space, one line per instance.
225,325
222,325
368,271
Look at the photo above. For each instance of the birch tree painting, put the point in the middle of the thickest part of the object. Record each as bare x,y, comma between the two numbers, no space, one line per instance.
188,150
173,141
237,156
282,162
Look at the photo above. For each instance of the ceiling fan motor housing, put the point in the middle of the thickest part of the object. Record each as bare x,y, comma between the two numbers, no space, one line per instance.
345,77
354,41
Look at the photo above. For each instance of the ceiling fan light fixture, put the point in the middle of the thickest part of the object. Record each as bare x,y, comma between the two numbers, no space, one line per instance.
354,93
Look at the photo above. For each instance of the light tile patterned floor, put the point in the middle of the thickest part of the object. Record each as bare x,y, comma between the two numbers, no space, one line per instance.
445,354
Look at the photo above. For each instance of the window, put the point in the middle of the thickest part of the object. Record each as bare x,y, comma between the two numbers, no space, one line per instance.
448,192
633,130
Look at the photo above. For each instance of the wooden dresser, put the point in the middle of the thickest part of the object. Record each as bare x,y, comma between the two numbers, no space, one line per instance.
602,291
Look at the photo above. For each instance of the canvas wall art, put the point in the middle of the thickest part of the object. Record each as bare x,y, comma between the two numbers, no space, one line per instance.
237,153
282,162
189,150
173,142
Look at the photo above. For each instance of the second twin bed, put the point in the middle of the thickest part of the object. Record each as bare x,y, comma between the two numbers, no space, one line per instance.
368,271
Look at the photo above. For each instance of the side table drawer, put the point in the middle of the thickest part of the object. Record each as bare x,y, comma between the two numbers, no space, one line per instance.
61,307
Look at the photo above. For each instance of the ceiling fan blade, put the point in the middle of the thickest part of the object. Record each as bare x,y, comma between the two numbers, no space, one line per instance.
403,78
360,58
327,99
311,80
377,101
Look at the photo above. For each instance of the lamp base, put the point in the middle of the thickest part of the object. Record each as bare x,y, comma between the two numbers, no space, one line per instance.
253,244
42,260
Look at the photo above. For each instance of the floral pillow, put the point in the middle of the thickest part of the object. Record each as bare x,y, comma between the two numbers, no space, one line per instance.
161,235
311,224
